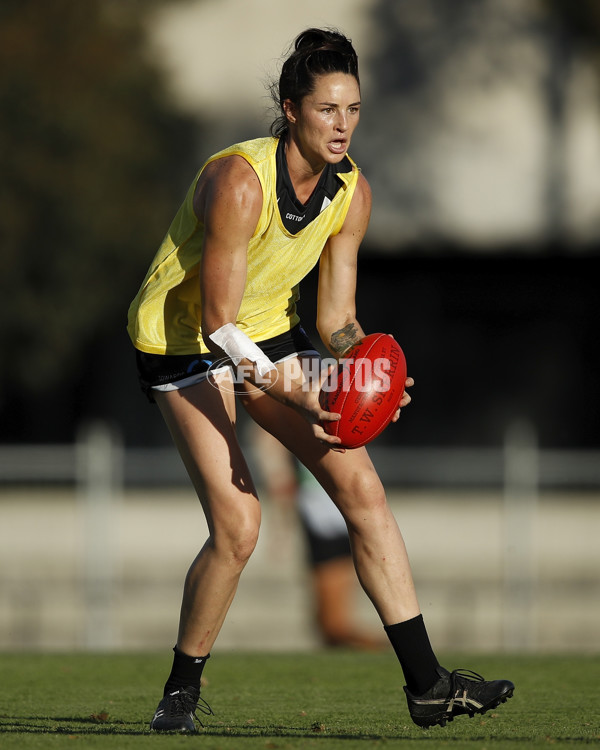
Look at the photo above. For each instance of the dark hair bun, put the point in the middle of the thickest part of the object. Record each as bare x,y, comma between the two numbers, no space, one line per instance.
324,39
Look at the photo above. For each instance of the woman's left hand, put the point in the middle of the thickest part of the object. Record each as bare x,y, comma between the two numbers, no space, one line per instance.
405,400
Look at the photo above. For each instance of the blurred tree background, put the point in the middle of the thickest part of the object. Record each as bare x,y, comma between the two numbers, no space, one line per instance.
91,155
95,159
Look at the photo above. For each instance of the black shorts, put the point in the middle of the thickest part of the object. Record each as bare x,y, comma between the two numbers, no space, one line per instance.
170,372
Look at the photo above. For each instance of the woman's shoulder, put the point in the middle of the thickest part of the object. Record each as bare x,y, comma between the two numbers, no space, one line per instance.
254,151
359,209
362,193
241,162
230,179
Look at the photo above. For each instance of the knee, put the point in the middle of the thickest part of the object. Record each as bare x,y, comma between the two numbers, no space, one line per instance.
236,540
363,494
243,545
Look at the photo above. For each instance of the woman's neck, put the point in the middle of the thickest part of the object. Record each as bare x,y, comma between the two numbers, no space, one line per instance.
303,174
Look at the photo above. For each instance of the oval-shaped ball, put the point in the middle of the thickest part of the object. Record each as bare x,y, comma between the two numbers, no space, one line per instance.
365,390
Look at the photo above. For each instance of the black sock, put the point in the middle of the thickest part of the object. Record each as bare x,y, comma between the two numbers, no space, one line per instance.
414,652
185,672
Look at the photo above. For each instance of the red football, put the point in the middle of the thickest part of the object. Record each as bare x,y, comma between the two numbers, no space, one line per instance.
365,389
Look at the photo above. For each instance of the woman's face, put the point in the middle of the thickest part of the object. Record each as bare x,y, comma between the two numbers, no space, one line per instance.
323,123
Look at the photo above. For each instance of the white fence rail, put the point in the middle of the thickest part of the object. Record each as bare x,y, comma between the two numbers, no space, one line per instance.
89,558
401,466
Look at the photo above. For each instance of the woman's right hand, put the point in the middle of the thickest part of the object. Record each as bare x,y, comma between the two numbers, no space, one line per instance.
304,398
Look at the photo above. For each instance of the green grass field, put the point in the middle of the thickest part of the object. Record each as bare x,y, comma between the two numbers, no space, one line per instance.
327,700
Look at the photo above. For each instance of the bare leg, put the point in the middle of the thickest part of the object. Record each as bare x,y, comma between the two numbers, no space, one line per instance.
378,549
351,481
201,420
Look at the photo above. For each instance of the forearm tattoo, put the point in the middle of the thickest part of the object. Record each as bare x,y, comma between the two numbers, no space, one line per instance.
343,339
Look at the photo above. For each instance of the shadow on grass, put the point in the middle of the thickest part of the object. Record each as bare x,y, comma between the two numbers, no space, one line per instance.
91,726
70,726
289,732
67,725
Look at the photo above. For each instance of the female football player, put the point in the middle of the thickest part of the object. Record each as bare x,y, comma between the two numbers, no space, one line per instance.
216,318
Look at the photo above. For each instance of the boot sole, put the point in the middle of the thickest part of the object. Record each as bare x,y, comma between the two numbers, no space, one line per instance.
447,718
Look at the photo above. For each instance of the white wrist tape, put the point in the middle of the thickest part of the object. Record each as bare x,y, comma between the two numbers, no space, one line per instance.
237,346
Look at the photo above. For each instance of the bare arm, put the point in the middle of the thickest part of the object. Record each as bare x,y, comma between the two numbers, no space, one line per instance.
336,312
336,306
228,188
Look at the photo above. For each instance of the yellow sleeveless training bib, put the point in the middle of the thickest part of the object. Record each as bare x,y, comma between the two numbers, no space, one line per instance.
166,315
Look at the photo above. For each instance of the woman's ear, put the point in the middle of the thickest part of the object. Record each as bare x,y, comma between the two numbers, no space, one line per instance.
289,110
